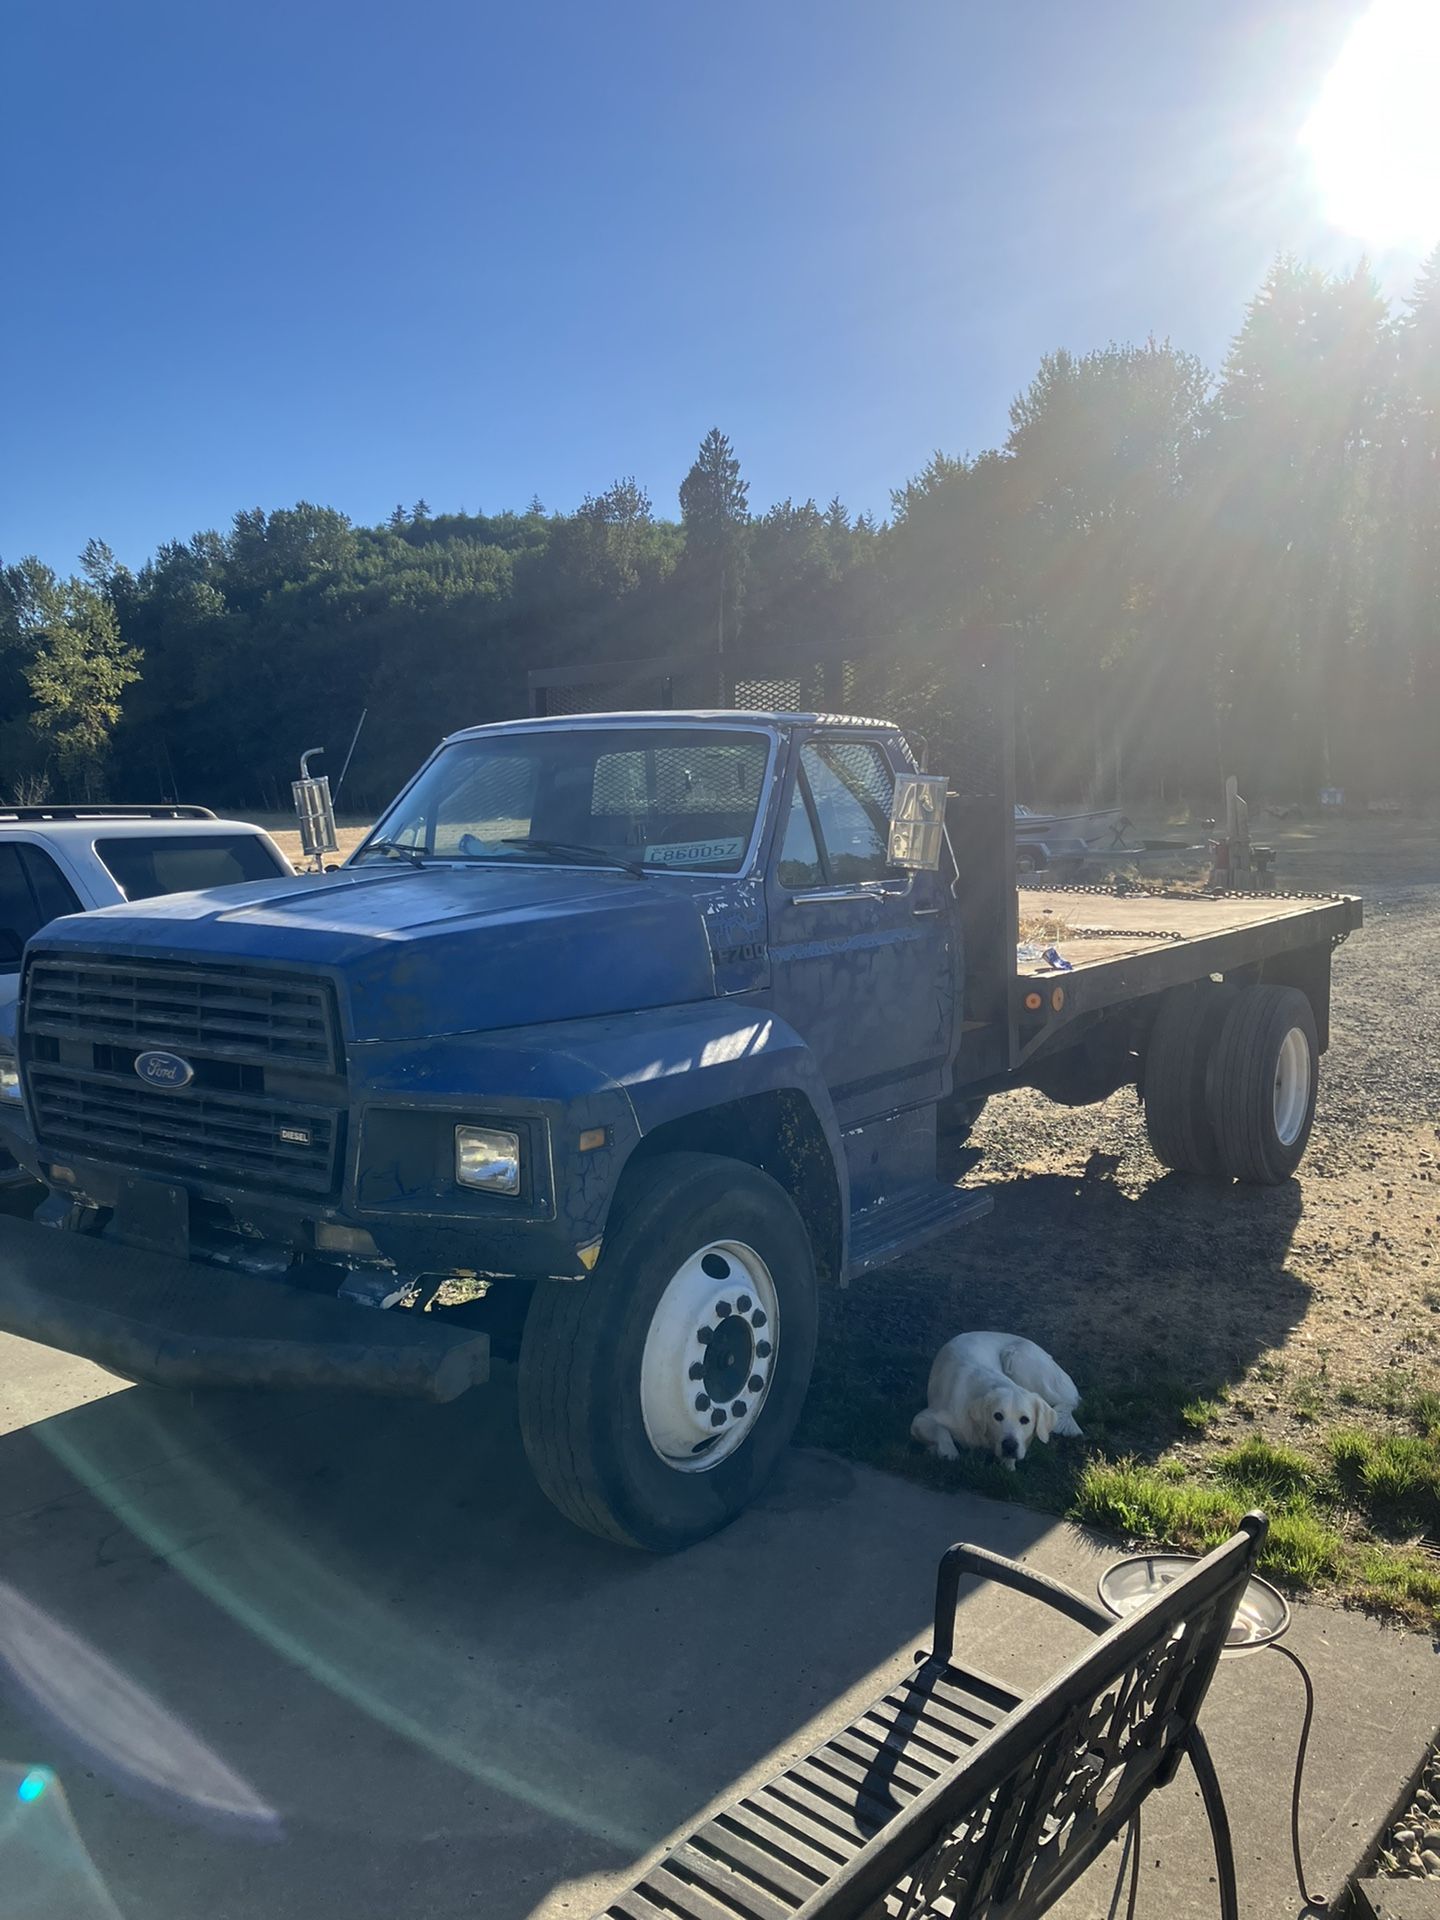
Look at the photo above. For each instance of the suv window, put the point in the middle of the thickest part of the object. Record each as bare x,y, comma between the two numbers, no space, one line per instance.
54,895
175,863
852,789
33,892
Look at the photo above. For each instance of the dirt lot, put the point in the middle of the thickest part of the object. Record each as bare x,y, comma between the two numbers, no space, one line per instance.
1234,1345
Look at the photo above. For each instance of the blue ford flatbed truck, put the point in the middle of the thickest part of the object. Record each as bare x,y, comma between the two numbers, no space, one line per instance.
634,1030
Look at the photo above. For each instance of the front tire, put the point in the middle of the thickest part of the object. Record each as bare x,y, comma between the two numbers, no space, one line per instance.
705,1293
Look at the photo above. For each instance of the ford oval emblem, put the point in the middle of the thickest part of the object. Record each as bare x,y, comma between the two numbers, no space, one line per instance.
164,1070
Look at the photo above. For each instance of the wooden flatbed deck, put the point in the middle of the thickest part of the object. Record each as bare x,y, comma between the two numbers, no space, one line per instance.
1107,926
1124,946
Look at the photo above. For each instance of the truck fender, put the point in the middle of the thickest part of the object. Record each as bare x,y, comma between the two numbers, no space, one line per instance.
714,1058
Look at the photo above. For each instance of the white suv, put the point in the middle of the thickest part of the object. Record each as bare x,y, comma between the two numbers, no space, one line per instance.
57,860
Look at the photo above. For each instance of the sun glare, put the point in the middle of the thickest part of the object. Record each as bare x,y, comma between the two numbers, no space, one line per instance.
1374,133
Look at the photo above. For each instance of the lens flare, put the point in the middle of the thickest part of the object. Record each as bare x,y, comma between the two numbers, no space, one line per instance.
1373,135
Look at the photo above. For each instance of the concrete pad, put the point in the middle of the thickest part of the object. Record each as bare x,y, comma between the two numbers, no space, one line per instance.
313,1656
1381,1899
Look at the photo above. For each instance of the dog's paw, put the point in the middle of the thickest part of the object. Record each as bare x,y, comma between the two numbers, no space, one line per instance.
1066,1425
945,1447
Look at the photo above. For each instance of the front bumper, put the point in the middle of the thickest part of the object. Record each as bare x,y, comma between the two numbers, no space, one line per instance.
174,1323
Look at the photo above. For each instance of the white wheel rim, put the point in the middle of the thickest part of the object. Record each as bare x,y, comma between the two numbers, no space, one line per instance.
709,1356
1292,1086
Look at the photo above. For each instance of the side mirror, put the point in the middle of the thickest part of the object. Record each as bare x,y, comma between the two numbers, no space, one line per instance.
917,821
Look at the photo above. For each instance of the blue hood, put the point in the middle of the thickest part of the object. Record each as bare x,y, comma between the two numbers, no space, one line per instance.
435,950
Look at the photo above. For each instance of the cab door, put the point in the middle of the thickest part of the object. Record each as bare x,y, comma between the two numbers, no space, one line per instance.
863,966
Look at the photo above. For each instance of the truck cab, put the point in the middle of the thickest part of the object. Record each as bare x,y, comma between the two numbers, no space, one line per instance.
589,985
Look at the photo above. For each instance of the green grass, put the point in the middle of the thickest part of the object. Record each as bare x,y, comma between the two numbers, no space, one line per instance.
1329,1517
1395,1476
1268,1475
1308,1396
1350,1510
1199,1414
1397,1580
1303,1547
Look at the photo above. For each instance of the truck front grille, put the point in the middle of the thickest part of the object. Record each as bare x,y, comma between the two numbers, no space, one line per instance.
277,1144
265,1103
228,1013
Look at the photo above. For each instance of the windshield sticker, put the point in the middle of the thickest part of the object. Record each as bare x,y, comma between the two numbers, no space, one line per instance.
693,853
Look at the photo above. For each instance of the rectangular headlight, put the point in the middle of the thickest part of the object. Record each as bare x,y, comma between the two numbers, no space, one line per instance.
9,1077
487,1157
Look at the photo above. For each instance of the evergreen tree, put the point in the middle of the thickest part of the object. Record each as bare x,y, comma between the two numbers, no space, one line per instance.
714,513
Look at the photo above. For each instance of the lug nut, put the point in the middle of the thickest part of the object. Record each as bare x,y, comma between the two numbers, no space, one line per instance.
762,1349
756,1383
744,1303
738,1409
702,1334
717,1418
757,1319
702,1403
722,1308
697,1371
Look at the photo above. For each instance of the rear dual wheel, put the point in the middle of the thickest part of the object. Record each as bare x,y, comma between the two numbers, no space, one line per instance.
1262,1080
1230,1080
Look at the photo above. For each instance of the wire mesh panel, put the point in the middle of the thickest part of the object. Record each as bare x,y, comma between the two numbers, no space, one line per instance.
814,683
775,694
609,696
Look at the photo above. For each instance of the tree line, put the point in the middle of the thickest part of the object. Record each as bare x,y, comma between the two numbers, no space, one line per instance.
1201,574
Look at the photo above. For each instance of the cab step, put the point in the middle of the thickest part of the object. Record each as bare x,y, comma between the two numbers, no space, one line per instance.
888,1229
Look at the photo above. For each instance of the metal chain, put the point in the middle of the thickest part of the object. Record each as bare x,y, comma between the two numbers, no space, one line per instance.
1117,933
1151,893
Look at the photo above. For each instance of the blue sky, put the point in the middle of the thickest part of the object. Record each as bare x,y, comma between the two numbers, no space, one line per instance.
357,253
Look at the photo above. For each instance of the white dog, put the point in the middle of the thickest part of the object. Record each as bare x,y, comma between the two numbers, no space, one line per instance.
997,1391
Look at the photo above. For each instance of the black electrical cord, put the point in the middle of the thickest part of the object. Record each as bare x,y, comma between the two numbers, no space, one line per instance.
1131,1852
1314,1900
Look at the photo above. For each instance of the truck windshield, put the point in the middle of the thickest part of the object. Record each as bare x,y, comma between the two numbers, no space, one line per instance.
682,798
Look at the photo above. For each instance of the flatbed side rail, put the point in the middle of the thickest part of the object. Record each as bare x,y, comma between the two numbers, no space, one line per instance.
1165,958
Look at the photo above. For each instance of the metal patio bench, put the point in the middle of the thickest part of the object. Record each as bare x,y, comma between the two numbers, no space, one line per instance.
953,1796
